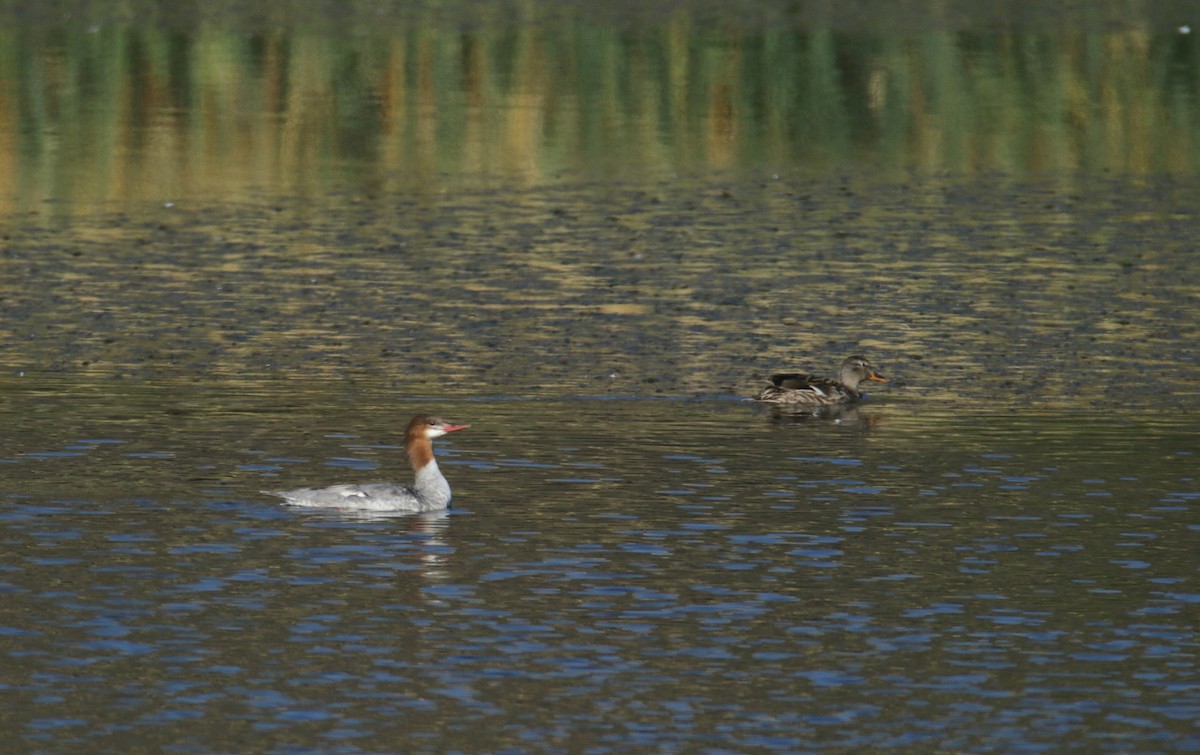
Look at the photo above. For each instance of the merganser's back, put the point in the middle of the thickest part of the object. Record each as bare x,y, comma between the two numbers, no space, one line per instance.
429,491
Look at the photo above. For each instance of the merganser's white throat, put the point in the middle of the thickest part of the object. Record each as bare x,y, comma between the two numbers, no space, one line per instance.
429,491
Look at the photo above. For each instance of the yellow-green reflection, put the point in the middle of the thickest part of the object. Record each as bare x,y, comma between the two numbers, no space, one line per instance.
128,110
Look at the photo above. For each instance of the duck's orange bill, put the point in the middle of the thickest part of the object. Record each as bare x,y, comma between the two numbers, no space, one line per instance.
451,428
877,378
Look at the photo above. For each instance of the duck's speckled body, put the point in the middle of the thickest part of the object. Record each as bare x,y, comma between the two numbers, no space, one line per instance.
812,390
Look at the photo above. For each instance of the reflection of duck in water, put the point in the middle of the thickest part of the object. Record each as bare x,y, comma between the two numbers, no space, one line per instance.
429,492
846,415
811,390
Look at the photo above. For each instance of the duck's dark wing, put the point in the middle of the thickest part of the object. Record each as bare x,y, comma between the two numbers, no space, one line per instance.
801,381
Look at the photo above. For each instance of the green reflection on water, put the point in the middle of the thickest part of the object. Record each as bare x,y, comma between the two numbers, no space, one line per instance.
132,108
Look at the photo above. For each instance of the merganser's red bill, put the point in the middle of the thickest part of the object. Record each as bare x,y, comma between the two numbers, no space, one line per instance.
452,428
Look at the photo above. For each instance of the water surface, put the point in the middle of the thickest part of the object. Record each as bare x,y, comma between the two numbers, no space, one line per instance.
239,249
680,574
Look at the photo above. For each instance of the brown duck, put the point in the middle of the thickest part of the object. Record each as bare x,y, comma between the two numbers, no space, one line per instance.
812,390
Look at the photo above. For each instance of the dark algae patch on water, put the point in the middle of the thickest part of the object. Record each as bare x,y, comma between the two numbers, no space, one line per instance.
1012,294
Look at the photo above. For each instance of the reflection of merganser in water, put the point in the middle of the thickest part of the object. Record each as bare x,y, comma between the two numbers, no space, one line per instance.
811,390
429,491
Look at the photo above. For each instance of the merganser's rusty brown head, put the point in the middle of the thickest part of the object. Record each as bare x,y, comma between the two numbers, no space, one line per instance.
431,427
418,441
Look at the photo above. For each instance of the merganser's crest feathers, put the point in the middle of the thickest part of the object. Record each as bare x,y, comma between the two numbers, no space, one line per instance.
429,491
812,390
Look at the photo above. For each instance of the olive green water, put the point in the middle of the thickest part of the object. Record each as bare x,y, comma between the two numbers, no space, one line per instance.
240,251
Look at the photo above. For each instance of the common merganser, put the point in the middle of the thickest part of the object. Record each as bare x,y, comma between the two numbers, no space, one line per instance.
811,390
429,491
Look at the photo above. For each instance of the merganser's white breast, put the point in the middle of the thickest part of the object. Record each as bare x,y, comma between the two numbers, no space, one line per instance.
429,492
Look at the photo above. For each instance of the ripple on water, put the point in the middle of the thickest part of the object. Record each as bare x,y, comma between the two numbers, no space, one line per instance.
588,586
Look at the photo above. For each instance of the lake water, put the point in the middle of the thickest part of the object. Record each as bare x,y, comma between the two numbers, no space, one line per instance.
239,253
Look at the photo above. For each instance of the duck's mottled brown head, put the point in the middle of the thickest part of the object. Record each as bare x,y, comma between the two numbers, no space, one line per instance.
856,369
